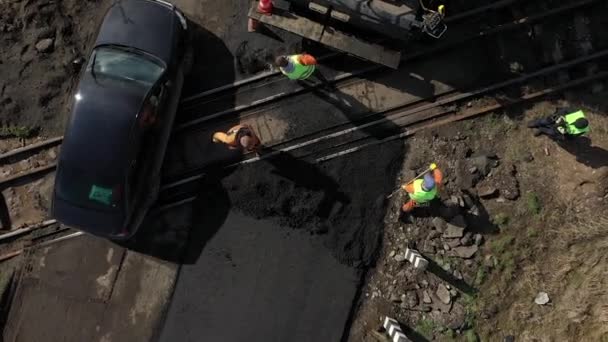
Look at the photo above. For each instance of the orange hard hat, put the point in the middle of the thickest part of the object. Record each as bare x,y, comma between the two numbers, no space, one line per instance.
307,59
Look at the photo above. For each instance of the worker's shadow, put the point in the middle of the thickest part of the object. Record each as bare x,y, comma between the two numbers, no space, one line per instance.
309,176
449,278
370,124
585,153
5,217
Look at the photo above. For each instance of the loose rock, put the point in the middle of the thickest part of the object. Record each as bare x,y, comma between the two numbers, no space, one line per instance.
434,234
487,191
453,231
467,239
439,224
443,294
426,298
466,252
395,298
409,299
478,239
400,257
392,254
453,243
45,45
483,163
542,298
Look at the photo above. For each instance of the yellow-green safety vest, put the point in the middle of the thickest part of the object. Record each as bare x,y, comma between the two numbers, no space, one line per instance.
570,128
421,196
300,71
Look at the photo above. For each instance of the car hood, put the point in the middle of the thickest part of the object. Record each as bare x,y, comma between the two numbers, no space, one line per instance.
143,24
101,223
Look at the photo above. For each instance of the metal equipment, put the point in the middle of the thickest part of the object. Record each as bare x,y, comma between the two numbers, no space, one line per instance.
354,26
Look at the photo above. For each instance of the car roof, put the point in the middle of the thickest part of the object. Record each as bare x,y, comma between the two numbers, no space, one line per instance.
99,133
142,24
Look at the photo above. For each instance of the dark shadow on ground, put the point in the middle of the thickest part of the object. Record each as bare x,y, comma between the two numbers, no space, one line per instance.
476,216
179,234
585,153
6,299
478,219
5,217
309,176
167,235
449,278
357,113
413,335
209,212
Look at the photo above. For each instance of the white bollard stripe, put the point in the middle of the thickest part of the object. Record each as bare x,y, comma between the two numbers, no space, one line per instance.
416,259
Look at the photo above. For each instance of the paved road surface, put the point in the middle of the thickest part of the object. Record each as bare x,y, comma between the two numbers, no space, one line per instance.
256,281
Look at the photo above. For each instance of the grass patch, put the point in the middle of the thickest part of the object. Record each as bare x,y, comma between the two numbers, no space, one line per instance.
501,244
426,327
500,219
20,132
532,232
471,336
533,203
471,307
480,276
507,265
449,335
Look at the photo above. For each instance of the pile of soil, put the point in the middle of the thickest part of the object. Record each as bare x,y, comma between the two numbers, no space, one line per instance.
40,39
342,200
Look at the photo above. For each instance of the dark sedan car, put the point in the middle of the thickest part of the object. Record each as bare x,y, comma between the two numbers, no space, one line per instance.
108,174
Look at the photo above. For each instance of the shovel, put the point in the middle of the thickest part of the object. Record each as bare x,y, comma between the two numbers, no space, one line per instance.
431,168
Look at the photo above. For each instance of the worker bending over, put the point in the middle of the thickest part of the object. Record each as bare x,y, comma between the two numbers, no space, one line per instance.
239,137
564,123
300,67
422,190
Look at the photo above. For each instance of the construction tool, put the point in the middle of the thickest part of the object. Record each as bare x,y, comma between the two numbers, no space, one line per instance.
432,167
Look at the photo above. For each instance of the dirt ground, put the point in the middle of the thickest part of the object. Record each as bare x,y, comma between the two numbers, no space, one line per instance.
40,39
534,218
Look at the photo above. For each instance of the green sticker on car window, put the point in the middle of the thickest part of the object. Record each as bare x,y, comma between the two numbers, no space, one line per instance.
102,195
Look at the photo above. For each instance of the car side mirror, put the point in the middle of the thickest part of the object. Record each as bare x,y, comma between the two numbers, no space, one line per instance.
77,63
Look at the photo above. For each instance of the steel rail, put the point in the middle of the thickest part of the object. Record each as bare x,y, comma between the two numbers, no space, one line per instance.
348,75
230,86
433,124
32,147
458,117
394,114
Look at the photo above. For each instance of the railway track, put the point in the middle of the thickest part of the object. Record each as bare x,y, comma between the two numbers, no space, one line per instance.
20,241
342,140
269,80
221,91
333,142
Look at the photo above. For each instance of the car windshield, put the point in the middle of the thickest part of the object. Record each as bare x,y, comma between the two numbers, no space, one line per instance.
89,190
125,65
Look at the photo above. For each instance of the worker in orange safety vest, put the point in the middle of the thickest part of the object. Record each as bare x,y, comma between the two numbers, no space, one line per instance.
239,137
422,190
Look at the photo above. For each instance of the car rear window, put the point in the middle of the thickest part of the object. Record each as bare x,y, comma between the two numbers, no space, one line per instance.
92,191
125,65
